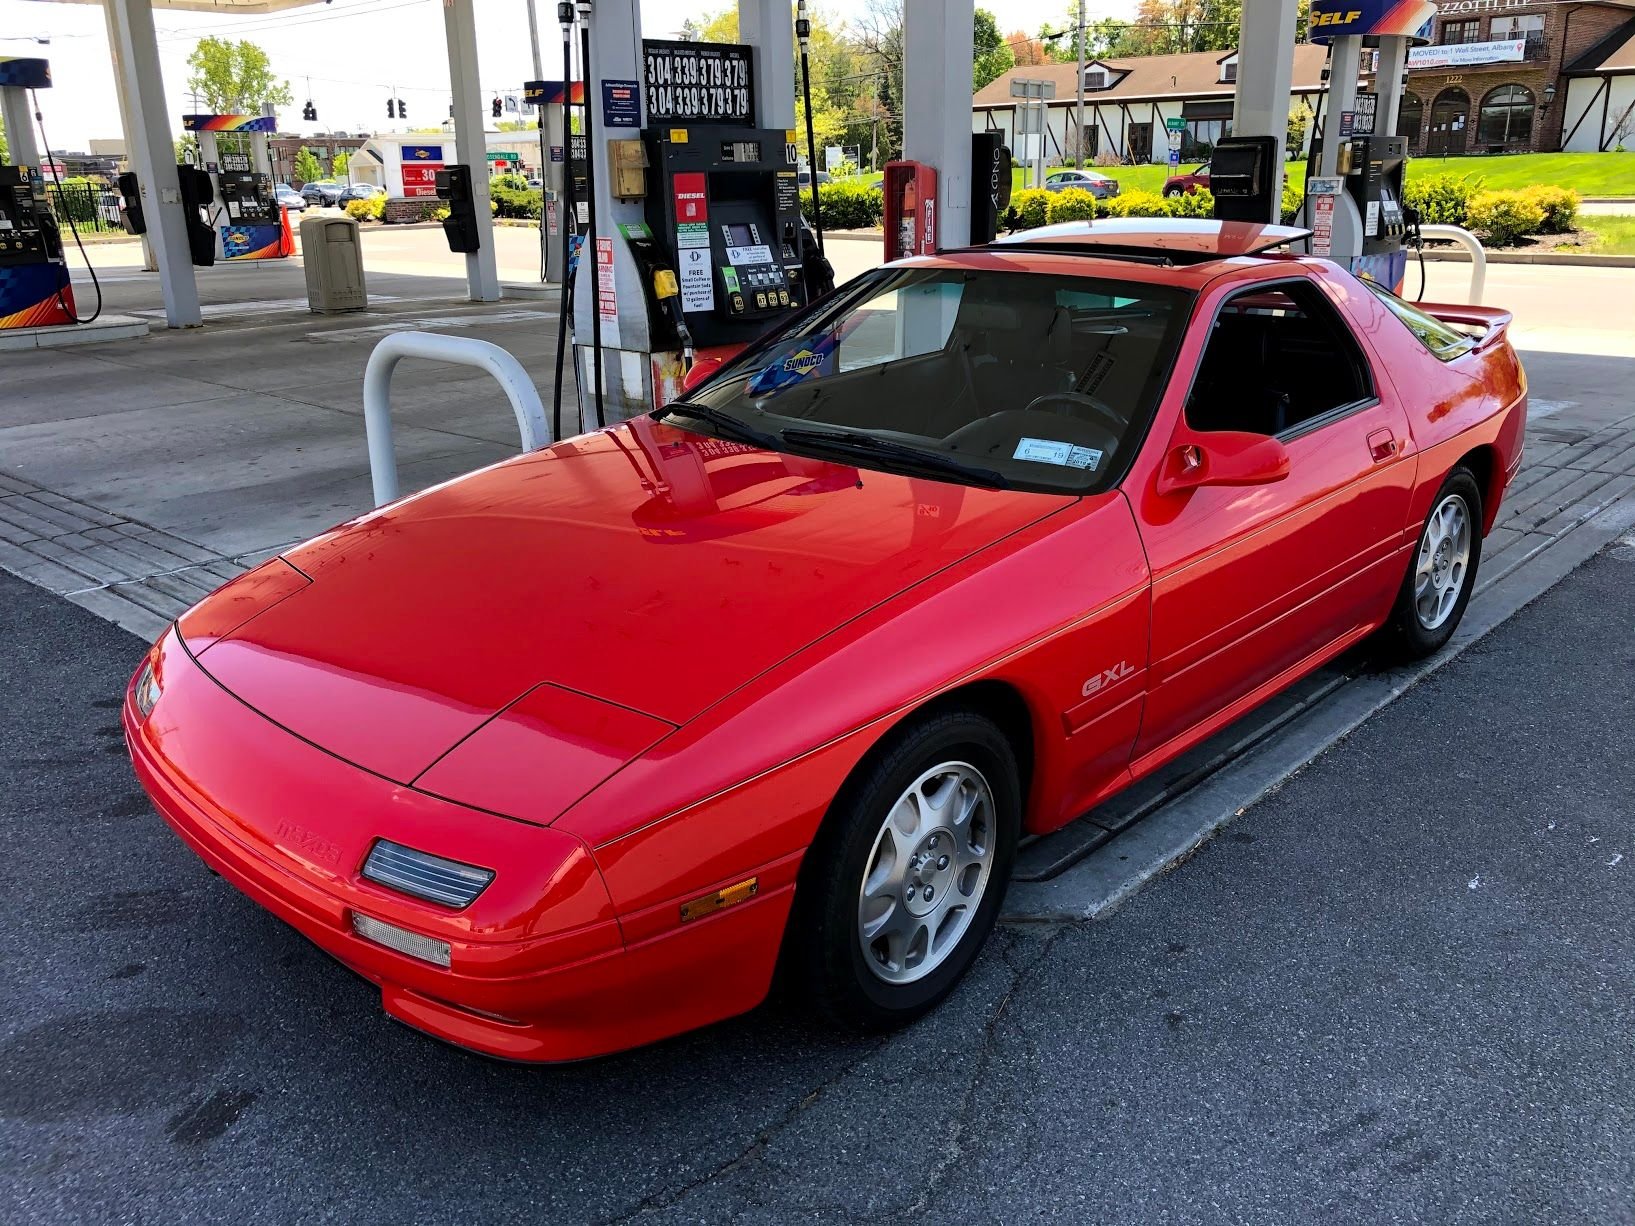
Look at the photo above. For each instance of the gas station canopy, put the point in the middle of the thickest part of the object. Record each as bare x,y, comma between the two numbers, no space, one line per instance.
227,8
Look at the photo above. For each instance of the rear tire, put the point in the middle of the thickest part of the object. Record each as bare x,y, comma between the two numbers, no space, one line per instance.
905,879
1441,573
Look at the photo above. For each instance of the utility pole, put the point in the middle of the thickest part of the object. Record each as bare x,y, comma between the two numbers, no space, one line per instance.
1078,92
533,43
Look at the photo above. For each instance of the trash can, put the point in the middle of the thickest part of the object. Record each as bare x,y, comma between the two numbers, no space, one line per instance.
334,265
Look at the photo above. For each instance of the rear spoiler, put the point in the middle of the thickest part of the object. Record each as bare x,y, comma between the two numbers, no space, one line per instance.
1491,320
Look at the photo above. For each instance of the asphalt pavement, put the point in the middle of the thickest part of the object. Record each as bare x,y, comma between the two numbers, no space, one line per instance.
1399,988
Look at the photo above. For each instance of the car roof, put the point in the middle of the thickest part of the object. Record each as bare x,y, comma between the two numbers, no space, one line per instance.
1185,252
1174,237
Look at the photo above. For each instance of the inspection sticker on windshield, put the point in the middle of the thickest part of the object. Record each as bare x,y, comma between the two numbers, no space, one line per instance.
1049,451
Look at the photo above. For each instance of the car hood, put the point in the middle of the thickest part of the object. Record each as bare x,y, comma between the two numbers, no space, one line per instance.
644,567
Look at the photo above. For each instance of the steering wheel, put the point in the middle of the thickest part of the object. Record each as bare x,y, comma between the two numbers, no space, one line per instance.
1109,417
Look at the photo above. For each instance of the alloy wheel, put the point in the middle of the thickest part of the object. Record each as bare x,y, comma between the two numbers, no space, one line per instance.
1443,562
927,873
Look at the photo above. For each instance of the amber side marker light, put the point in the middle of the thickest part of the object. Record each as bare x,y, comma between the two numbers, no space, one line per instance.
730,896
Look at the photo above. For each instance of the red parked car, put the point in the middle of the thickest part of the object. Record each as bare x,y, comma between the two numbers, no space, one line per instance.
569,754
1188,181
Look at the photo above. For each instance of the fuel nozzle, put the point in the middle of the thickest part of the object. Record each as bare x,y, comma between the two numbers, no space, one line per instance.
668,293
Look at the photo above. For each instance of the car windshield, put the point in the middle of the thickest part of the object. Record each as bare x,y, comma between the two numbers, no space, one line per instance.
1016,379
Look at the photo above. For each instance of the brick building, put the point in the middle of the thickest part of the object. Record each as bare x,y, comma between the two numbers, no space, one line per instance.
324,146
1494,78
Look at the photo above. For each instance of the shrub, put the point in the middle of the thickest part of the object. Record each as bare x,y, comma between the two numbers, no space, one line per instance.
1072,204
1193,204
358,210
1504,217
847,204
1029,209
1138,204
1442,200
1294,196
522,204
1560,205
510,181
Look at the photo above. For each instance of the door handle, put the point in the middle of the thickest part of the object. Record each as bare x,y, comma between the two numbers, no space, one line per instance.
1382,445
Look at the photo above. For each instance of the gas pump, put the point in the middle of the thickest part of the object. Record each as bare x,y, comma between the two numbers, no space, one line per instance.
721,250
248,224
34,287
1353,202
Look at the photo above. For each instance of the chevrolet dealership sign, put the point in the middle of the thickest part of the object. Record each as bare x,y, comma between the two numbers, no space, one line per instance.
1463,55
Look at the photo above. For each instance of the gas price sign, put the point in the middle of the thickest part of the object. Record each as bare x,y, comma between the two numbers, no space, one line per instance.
698,82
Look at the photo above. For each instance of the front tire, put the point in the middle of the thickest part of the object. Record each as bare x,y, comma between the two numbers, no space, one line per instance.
1442,572
904,882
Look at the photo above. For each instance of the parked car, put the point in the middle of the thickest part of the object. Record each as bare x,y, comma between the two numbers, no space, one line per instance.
1098,185
950,557
1188,181
325,192
823,176
360,191
289,198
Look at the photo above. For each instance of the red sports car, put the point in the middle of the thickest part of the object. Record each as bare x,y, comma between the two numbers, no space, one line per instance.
571,753
1188,181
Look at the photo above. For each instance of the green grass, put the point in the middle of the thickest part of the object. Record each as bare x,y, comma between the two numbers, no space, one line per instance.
1589,174
1614,235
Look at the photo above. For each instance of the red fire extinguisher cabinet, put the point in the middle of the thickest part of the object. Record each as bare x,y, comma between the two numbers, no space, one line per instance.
911,209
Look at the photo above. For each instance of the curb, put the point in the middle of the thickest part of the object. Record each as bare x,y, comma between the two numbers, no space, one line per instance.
1569,259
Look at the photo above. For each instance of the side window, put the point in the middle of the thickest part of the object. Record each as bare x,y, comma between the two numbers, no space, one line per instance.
1278,356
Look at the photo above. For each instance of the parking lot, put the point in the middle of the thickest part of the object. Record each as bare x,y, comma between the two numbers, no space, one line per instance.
1394,985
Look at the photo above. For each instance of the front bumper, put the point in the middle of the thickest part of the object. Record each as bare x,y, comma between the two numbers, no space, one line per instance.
538,967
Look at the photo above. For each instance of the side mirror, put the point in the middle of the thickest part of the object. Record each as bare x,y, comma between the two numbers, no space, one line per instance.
1225,457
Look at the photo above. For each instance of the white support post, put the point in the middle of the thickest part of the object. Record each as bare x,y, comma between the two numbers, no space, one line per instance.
769,27
1393,63
135,51
471,143
1345,57
127,130
937,54
19,123
1265,76
615,55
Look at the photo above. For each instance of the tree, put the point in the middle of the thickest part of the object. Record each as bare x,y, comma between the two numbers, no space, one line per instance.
1025,50
990,56
307,166
234,78
1165,27
5,155
338,165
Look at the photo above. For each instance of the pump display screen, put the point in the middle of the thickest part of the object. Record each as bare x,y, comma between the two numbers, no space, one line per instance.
738,235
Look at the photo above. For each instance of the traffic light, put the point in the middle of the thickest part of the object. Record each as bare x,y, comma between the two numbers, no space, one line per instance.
309,113
402,109
391,108
497,107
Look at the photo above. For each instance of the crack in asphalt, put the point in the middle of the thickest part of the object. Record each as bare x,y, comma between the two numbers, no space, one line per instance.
957,1141
757,1146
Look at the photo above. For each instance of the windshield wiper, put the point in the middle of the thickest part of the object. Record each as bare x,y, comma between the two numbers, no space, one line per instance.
861,443
726,423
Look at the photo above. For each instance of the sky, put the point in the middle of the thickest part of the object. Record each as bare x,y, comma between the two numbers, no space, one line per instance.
349,55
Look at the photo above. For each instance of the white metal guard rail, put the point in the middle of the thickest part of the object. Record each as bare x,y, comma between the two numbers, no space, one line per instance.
461,351
1478,257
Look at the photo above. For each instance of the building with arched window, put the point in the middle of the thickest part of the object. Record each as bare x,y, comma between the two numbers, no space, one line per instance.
1514,76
